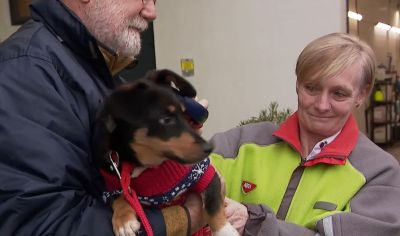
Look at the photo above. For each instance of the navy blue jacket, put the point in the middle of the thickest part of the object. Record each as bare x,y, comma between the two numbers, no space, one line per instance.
53,79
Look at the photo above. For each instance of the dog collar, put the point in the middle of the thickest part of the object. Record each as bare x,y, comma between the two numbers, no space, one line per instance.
113,158
191,179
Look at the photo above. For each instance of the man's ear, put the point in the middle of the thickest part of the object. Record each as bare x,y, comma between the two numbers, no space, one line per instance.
76,6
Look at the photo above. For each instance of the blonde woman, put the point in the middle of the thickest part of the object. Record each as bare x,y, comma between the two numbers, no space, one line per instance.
316,174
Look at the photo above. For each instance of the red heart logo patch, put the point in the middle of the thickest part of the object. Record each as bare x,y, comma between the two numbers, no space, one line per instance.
248,186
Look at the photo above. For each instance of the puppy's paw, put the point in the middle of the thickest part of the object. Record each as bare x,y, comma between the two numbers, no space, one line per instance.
226,230
130,228
124,219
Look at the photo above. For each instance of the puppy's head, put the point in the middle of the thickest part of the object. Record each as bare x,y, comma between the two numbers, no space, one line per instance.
145,124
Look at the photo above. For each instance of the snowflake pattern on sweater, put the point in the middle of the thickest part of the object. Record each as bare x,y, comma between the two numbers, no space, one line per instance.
191,179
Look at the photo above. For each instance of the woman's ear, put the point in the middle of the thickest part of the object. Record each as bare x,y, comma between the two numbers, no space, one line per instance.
363,94
297,86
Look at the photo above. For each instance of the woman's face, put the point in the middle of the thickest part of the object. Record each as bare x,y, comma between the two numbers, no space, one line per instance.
325,105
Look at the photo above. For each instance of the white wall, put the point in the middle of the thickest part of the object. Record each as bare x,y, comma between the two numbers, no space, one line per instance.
244,51
6,29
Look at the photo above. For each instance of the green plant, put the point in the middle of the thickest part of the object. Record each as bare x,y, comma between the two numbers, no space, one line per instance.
272,114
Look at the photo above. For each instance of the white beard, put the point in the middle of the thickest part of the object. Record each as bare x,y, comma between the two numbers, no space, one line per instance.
108,23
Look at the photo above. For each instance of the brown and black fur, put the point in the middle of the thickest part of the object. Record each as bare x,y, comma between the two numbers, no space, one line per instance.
145,123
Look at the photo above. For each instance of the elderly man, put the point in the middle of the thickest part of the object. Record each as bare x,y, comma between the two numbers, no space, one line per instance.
54,73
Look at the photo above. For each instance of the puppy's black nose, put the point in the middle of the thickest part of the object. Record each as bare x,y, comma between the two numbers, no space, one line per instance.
208,147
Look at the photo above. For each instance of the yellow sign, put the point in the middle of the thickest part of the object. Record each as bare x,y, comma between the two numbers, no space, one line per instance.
187,67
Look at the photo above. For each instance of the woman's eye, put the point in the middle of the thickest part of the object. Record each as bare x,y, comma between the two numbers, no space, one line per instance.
340,94
167,120
312,89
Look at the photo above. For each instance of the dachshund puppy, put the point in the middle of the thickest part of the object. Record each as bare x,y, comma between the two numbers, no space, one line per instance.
144,137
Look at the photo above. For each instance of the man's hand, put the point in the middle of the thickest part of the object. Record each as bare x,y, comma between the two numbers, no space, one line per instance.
203,102
194,204
236,214
196,126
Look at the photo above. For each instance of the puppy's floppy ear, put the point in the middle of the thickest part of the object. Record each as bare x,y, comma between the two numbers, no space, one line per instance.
171,79
101,139
109,123
128,88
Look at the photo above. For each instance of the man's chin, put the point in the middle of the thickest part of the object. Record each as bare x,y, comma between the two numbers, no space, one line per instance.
129,45
129,52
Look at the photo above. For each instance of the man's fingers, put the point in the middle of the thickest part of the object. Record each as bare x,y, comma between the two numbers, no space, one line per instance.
203,102
222,180
194,204
236,214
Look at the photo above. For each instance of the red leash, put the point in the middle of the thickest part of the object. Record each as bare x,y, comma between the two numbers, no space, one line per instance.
131,197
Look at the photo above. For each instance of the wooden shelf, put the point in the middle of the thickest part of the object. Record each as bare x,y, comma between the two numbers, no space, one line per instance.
384,103
387,81
381,132
377,124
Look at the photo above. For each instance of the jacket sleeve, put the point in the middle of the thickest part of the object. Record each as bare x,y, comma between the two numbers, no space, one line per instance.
374,210
49,183
262,221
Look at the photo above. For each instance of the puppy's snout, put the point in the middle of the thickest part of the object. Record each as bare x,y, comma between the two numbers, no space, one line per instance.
208,147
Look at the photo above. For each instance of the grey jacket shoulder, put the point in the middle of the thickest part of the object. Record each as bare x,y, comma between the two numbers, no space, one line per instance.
228,143
373,161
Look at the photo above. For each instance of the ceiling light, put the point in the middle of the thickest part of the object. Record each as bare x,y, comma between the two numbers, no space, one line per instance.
383,26
395,29
354,15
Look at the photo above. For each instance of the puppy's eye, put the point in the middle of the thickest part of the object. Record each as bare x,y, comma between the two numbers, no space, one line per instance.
167,120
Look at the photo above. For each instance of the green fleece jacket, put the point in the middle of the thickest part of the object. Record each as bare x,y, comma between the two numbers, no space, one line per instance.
352,187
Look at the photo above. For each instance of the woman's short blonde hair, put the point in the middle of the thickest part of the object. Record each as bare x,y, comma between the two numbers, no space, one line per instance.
331,54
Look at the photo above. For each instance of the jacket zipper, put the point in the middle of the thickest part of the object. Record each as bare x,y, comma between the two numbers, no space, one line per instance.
291,190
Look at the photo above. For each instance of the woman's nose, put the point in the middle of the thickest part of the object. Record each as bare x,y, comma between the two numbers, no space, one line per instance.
323,102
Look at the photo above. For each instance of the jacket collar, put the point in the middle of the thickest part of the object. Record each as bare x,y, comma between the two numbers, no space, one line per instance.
335,152
69,30
66,26
117,63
